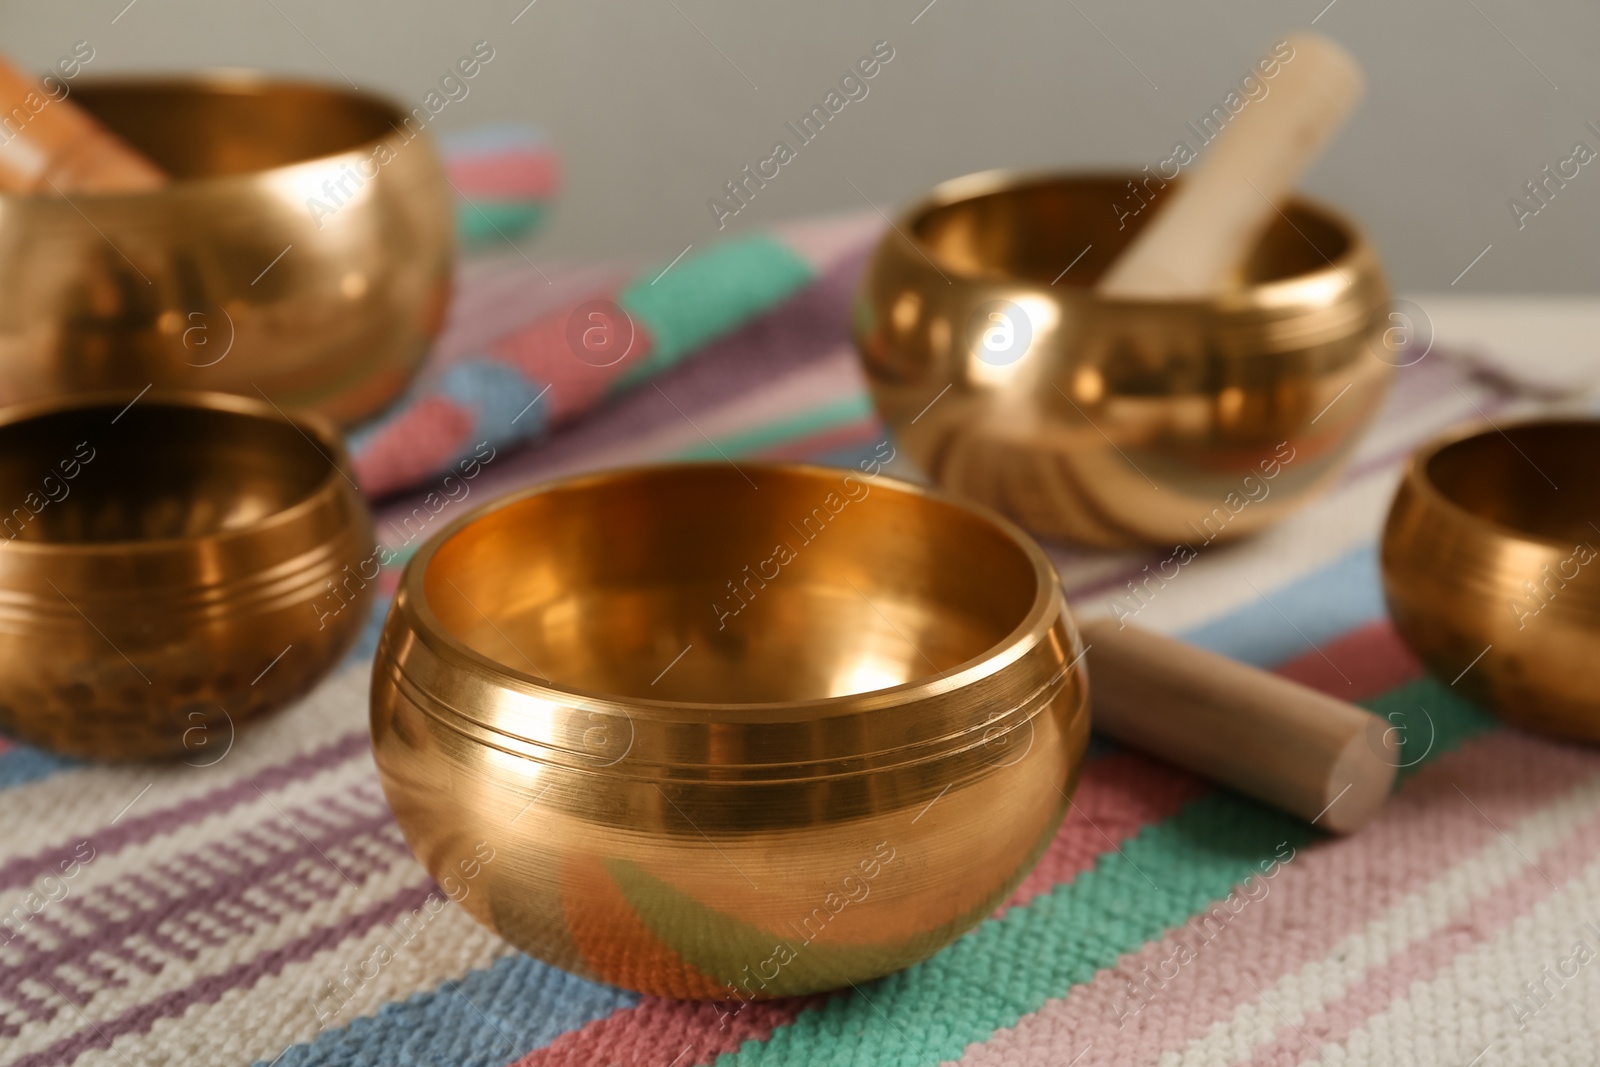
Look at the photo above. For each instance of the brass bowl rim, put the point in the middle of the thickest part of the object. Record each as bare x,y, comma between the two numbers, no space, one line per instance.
319,431
1034,627
214,81
1416,472
953,191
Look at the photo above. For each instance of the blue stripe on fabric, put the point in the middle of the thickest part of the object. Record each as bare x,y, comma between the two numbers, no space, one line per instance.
24,764
488,1018
1325,604
492,138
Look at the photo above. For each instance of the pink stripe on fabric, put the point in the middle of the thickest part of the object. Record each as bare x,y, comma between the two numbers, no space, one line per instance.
1326,893
416,444
1382,659
517,174
543,353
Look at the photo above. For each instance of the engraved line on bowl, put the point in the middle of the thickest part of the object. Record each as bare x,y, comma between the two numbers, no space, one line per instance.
497,629
1332,802
1299,631
473,205
674,662
526,806
130,804
1507,837
91,1022
510,1043
532,402
702,833
702,433
1513,44
901,232
1102,433
101,632
1332,402
1502,433
932,402
98,230
924,11
1313,1047
1074,263
931,803
524,11
307,436
1314,246
674,263
312,43
892,626
132,402
1113,44
273,664
1473,664
713,44
274,263
302,833
1474,262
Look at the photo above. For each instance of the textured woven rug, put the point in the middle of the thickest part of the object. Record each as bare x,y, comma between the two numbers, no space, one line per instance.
230,909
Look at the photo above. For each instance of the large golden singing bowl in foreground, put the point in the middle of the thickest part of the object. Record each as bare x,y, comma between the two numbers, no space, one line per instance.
670,731
1490,569
303,250
1118,422
170,568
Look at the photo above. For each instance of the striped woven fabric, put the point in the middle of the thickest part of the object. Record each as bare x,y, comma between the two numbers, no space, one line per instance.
232,910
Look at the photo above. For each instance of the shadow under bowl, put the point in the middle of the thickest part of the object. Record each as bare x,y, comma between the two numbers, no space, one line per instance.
303,250
1489,568
667,730
168,569
1112,422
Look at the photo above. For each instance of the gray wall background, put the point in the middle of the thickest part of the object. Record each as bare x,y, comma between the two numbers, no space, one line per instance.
652,106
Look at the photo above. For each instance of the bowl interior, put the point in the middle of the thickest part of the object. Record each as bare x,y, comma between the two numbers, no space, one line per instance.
691,584
1038,229
1541,479
159,471
198,128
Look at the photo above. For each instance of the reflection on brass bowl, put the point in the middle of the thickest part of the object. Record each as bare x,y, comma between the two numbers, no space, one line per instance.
284,257
1490,569
1119,422
165,570
670,732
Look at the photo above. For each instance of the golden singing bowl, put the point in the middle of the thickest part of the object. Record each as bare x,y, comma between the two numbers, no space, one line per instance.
1490,573
170,569
284,258
667,731
1118,422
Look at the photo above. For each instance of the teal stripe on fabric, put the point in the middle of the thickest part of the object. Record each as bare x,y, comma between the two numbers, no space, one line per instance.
705,295
487,1018
1009,967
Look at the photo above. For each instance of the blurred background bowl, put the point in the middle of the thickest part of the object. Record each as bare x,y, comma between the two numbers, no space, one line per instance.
170,569
1118,422
1490,570
303,249
724,743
